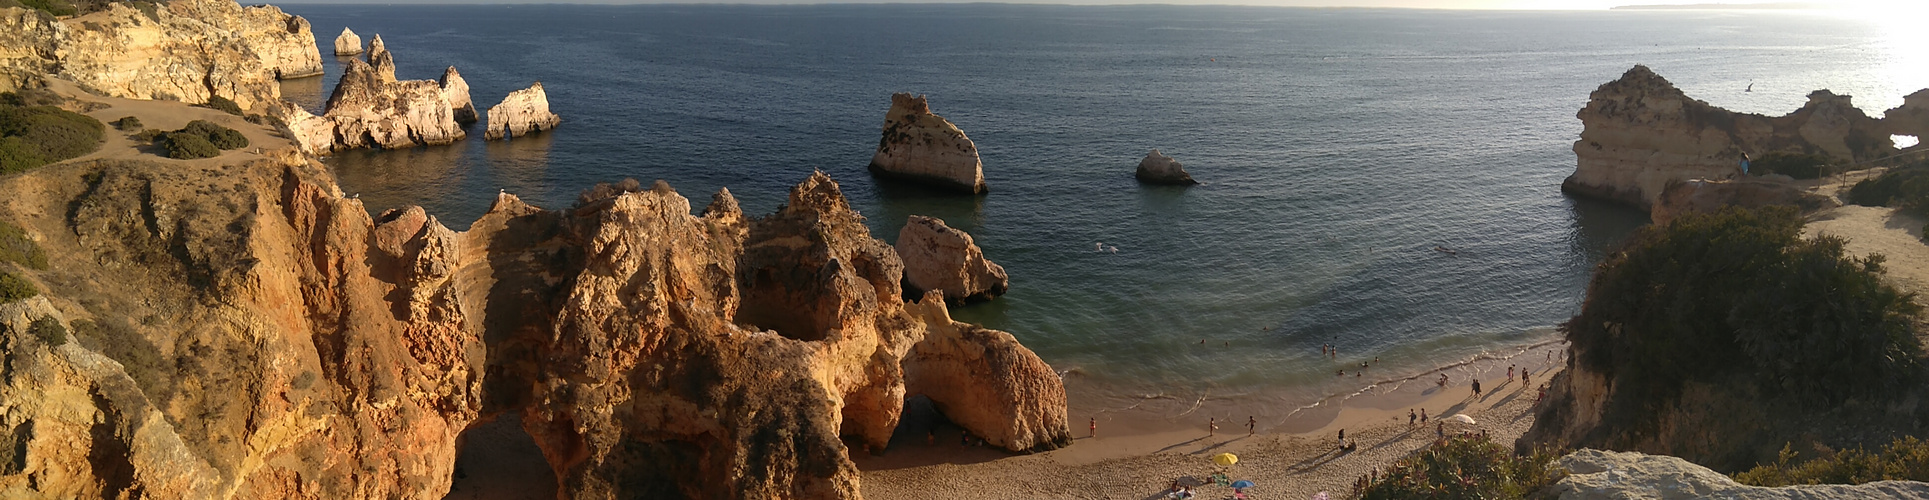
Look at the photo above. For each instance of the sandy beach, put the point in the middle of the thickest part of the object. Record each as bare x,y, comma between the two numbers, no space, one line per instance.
1284,463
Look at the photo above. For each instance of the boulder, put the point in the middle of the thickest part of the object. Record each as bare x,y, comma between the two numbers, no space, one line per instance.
368,110
938,257
1158,168
456,90
522,112
923,147
1609,475
348,43
1703,195
1640,133
986,382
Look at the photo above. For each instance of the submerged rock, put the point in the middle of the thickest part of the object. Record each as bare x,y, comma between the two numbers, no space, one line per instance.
923,147
938,257
520,113
1604,475
456,90
348,44
1158,168
1640,133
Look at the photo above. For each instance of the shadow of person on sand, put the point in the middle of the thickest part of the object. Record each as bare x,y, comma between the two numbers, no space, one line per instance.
1178,444
1207,449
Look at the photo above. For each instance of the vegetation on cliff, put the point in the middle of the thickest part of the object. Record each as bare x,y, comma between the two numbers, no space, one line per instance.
1797,165
17,248
1463,467
34,134
1740,292
200,139
1905,459
1904,187
13,288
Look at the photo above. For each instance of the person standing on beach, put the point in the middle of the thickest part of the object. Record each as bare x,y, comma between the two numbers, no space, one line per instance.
1510,373
1342,437
1423,416
1212,426
1409,417
1251,425
1476,388
1094,426
1440,430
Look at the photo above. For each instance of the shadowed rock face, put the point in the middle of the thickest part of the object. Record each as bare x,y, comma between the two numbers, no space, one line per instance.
1158,168
939,257
275,341
186,50
1641,133
522,112
922,147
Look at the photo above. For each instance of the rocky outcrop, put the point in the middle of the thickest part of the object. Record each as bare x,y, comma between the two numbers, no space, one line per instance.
1158,168
456,91
1641,133
1702,195
520,113
1605,475
985,381
186,50
348,43
923,147
938,257
380,58
1911,118
368,110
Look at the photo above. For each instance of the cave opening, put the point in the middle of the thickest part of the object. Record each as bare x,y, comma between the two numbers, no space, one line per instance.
924,436
498,459
1904,141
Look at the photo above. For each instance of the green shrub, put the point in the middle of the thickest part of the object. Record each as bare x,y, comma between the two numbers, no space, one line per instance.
31,97
44,134
127,123
15,288
224,104
149,135
188,146
1903,187
49,330
1905,459
1741,292
55,7
17,248
1462,467
221,137
1797,165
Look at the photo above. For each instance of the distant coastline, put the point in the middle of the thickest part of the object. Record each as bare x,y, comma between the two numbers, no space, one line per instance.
1727,6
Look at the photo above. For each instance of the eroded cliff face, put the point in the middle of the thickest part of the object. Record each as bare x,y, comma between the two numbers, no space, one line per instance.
938,257
923,147
1640,133
369,110
185,50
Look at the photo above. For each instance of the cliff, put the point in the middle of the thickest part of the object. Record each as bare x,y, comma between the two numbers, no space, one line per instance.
522,112
1604,475
922,147
242,330
1704,196
938,257
1639,133
186,50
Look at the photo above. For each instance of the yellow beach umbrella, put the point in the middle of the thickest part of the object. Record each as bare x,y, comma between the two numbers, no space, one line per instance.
1225,459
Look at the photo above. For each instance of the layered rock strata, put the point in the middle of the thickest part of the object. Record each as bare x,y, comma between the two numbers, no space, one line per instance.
923,147
185,50
520,113
1641,133
938,257
1158,168
348,43
1703,195
1605,475
456,91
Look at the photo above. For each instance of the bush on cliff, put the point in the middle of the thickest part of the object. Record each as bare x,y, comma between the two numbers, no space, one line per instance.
31,136
117,339
13,288
1905,459
1902,187
1462,467
49,330
1797,165
17,248
55,7
127,123
201,139
223,104
1740,292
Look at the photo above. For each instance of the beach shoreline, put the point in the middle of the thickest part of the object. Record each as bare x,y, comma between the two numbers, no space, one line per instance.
1291,457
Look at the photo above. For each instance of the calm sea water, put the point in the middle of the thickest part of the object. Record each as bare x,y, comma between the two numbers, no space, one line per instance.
1338,147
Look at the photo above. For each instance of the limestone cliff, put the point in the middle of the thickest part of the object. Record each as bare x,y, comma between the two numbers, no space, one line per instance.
367,110
348,43
380,58
1158,168
939,257
923,147
1604,475
456,91
520,113
186,50
985,381
1641,133
1911,118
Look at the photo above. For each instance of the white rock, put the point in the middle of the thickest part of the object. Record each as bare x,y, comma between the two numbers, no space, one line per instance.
348,43
923,147
939,257
521,113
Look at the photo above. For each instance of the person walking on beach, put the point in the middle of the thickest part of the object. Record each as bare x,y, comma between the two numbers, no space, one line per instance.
1440,430
1409,417
1251,425
1423,416
1342,437
1212,426
1094,426
1476,388
1510,373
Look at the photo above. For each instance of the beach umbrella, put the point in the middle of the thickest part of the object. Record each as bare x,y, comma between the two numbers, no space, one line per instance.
1242,484
1462,418
1225,459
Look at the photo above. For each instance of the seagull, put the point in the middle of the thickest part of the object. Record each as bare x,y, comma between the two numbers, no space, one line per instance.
1101,247
1112,249
355,196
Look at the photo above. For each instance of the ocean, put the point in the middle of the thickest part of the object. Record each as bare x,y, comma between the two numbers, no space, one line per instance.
1338,148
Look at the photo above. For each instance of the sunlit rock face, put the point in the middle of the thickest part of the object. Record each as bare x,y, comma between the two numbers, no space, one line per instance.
922,147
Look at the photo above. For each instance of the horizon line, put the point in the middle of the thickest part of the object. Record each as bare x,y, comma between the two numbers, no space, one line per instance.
1730,7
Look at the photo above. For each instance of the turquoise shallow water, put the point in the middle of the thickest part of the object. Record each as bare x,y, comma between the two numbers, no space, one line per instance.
1338,147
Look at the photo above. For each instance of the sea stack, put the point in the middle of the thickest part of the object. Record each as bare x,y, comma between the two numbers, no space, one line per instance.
1158,168
348,43
939,257
369,110
456,90
381,59
1640,133
520,113
923,147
